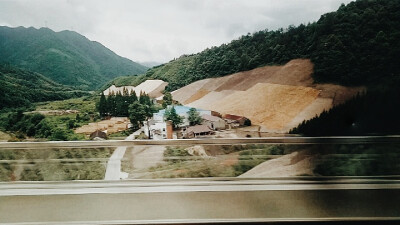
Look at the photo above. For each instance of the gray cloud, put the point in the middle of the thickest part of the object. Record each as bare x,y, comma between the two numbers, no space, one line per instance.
159,30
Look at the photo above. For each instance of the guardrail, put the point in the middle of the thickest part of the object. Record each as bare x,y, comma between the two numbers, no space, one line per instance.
282,200
216,141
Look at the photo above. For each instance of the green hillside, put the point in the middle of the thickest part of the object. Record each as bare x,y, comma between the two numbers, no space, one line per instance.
65,57
356,45
20,88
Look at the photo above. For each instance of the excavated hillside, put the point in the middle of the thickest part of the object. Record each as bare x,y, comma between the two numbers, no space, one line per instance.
276,97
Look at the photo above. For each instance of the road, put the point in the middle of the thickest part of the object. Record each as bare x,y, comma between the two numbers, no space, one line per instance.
113,170
199,200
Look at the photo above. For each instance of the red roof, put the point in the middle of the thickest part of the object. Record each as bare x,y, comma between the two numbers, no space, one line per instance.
233,117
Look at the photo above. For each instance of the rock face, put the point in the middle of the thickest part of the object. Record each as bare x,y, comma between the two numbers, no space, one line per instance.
277,98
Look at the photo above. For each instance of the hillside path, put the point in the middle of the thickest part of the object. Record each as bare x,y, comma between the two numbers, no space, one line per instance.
113,170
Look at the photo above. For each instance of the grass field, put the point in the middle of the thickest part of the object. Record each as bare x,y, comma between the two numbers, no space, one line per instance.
83,105
53,164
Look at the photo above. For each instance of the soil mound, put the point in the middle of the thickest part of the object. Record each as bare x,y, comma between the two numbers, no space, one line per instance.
198,95
184,93
270,105
276,97
207,100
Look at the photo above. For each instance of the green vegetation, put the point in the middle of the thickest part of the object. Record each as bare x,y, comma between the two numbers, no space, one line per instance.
194,117
358,160
170,114
53,128
257,154
179,163
376,112
167,99
356,45
120,135
21,88
83,105
53,164
65,57
116,104
50,127
176,154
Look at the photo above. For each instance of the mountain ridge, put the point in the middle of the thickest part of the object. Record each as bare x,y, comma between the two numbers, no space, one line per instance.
20,88
66,57
355,45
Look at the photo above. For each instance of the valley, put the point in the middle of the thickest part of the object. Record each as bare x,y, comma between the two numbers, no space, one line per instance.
331,77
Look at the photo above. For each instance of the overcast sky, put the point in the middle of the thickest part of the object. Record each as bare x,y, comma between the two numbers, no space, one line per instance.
160,30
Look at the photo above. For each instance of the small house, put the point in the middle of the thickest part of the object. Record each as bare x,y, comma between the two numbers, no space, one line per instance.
234,120
213,122
197,131
98,134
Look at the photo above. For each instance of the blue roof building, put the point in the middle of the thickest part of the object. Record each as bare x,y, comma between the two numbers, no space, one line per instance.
181,111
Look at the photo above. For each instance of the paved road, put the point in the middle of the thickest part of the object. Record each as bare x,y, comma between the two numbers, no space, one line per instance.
113,170
199,200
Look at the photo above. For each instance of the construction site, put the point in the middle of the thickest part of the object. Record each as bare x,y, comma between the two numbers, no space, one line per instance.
276,98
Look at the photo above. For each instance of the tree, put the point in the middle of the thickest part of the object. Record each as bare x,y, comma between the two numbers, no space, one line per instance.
111,104
119,100
137,114
174,117
194,117
167,99
144,99
132,97
58,135
102,106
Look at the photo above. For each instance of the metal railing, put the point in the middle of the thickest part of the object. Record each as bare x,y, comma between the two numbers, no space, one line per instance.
301,198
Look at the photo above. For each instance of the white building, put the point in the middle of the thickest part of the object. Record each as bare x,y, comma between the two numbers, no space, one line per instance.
158,126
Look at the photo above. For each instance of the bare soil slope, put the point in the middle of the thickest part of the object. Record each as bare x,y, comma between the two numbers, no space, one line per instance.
270,105
276,97
184,93
210,98
294,164
198,95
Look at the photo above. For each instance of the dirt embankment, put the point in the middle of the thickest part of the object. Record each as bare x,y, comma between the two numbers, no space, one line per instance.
270,105
276,97
295,164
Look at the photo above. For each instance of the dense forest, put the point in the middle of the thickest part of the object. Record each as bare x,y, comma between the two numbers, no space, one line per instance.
371,113
66,57
20,88
356,45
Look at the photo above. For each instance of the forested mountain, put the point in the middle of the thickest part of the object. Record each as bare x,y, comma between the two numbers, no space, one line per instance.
356,45
19,88
65,57
371,113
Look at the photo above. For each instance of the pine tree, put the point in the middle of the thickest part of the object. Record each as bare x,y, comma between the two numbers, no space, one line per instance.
132,97
102,106
119,104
